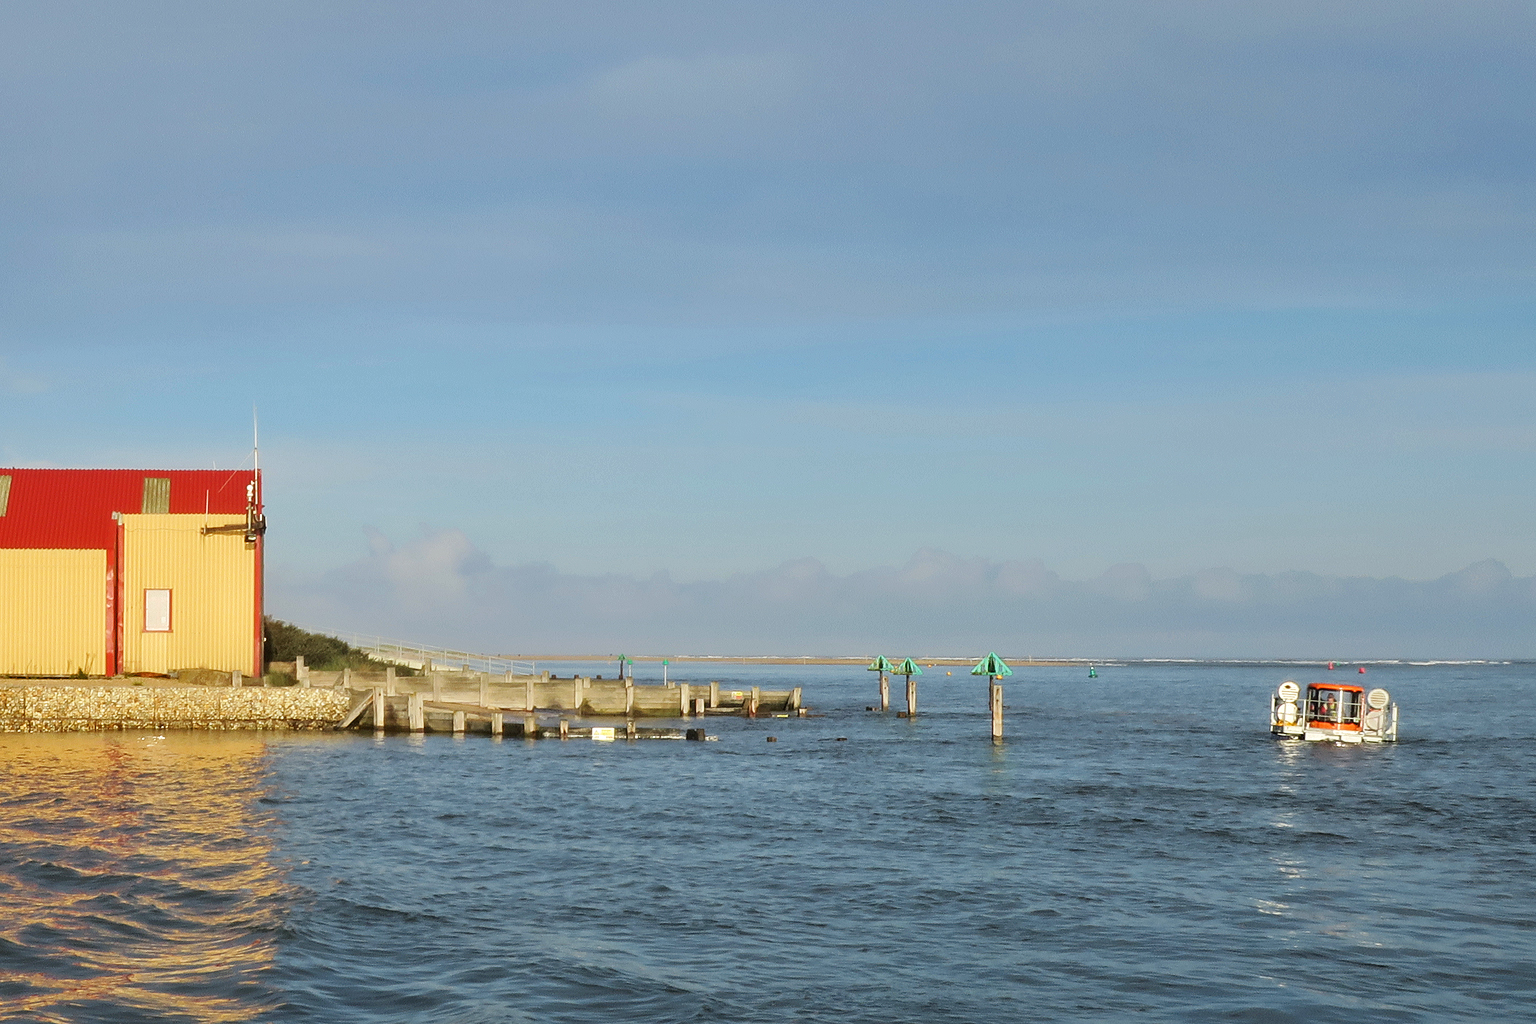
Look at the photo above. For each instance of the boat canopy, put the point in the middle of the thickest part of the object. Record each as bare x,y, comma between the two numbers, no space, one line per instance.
1335,705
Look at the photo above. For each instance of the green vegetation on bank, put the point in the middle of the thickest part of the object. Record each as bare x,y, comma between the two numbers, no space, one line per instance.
286,642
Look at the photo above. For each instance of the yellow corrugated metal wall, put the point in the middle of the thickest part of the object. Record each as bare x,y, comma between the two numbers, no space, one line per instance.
212,580
53,612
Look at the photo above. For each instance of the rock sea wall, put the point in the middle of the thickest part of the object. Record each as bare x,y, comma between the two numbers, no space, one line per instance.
58,707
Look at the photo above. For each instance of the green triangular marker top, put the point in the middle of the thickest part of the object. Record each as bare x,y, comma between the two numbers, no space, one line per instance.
908,668
992,665
881,665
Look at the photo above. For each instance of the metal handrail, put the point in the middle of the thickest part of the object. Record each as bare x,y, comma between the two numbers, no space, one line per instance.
404,652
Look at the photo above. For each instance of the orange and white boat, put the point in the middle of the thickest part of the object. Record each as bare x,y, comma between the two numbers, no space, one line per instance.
1335,712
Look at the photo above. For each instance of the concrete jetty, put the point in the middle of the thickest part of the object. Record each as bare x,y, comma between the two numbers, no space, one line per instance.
502,704
509,704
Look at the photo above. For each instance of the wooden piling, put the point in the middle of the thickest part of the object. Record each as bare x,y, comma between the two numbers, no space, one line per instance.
911,696
528,694
996,700
698,706
458,723
530,726
682,699
885,693
794,700
389,680
714,694
565,729
378,708
415,713
629,729
498,724
629,697
301,671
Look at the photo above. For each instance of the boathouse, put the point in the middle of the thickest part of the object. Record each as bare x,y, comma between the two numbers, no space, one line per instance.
121,571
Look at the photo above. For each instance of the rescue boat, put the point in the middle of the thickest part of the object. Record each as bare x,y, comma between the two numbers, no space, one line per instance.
1333,712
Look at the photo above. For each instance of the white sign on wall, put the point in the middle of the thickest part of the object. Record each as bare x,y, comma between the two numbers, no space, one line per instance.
157,611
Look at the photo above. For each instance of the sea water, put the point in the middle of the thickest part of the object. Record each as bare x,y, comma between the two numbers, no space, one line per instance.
1138,848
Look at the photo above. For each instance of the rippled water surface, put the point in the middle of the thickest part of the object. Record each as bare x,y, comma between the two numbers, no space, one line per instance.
1138,848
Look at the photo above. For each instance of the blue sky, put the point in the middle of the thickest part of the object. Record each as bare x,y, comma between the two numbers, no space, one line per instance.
709,289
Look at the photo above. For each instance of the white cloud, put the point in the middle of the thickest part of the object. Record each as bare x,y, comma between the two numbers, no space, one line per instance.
18,383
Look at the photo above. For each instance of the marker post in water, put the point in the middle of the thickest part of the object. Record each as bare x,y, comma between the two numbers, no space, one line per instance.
909,668
883,666
994,669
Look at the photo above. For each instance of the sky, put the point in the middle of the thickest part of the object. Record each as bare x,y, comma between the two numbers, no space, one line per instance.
578,325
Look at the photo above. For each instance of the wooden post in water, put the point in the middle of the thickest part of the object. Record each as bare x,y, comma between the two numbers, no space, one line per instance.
698,706
530,725
682,698
458,723
565,729
910,668
994,668
714,694
757,697
882,666
415,713
794,700
378,709
389,680
576,694
629,729
496,724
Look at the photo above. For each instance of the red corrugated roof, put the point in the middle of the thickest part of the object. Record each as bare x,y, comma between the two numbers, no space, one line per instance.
72,508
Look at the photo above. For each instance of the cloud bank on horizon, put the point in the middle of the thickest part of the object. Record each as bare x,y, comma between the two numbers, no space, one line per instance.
440,589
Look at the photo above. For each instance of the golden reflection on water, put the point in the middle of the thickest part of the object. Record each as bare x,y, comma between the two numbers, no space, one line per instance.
135,873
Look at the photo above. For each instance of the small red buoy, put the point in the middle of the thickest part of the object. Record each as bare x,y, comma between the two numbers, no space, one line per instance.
1362,670
1330,666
